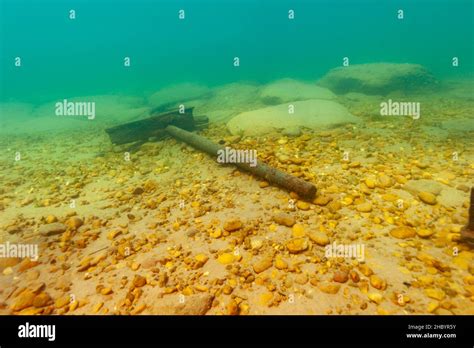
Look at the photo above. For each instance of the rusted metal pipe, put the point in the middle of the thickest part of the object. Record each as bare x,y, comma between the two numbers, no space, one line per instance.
303,188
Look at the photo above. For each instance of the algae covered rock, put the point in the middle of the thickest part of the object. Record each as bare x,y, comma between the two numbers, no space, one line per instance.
378,78
313,113
285,90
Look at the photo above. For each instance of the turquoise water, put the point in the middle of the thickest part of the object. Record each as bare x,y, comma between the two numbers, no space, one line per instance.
64,58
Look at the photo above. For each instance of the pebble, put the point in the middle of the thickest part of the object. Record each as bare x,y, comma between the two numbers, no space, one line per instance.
298,231
51,218
284,219
41,300
424,232
74,223
25,299
329,288
365,270
232,225
436,294
114,233
364,207
201,259
432,306
427,197
62,301
341,276
7,271
354,276
138,191
384,181
26,264
297,245
301,278
377,282
354,165
375,297
139,281
263,264
217,233
463,188
106,291
225,258
256,243
280,263
322,200
389,197
302,205
370,183
403,232
52,229
97,307
319,238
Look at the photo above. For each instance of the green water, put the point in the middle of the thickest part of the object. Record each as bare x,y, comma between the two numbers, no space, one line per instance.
64,58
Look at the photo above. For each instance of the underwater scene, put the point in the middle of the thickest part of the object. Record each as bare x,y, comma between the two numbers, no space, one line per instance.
205,157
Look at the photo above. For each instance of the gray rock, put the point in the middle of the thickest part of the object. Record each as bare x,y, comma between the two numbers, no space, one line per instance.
197,304
378,78
52,229
313,114
416,186
292,131
452,198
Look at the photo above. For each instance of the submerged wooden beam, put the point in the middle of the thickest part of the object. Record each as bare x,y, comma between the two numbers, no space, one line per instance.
303,188
153,126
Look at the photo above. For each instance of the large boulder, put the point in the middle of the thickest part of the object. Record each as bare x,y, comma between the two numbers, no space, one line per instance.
313,113
227,101
378,78
172,96
285,90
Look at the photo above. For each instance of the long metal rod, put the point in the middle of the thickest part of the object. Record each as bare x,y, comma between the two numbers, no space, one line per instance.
303,188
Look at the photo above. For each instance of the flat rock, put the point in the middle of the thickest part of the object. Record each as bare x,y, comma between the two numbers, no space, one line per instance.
403,232
450,197
313,113
52,229
378,78
23,300
284,219
198,304
292,131
424,185
285,90
263,264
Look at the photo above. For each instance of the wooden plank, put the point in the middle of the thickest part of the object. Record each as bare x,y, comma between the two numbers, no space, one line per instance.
150,127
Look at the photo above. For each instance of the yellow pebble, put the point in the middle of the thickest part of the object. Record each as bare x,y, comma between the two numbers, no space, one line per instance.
226,258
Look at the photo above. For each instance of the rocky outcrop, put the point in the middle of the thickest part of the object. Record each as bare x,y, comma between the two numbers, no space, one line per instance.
378,78
313,114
